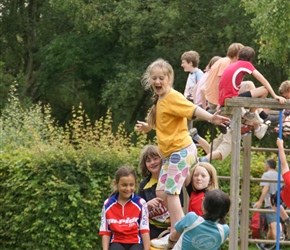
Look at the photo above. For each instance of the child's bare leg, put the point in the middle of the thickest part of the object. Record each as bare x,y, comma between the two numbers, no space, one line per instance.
174,208
204,144
213,155
260,92
161,194
283,215
271,235
221,147
246,86
201,141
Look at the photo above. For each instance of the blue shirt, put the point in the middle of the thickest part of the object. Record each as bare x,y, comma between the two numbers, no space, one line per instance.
197,233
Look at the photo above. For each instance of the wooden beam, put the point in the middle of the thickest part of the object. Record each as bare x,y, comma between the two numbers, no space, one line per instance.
272,242
265,211
248,102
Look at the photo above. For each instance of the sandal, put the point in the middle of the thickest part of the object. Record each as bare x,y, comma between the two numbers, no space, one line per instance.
170,245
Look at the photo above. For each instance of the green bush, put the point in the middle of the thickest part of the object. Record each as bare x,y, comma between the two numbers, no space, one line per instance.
53,181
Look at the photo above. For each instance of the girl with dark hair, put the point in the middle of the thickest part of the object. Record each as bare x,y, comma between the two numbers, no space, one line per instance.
124,222
150,166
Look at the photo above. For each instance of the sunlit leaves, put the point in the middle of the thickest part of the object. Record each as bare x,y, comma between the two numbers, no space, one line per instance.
272,24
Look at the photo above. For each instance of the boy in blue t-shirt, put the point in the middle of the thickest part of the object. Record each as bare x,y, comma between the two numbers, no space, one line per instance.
189,63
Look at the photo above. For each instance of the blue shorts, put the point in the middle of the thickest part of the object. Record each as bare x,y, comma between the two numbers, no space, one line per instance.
271,217
246,94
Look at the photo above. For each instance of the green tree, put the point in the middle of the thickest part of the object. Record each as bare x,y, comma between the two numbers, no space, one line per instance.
94,52
271,21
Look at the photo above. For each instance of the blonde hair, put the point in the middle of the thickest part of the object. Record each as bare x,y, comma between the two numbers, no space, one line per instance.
234,49
162,64
148,151
147,83
284,87
213,182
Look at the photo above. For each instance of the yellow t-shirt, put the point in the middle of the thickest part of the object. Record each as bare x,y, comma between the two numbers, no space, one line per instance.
171,122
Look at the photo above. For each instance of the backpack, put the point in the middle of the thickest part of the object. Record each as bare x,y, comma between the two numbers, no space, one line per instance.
258,225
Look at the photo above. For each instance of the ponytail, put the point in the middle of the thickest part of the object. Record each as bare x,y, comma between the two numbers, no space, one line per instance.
151,117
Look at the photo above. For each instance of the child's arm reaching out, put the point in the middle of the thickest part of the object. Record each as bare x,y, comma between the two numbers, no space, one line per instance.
142,127
267,85
284,165
215,118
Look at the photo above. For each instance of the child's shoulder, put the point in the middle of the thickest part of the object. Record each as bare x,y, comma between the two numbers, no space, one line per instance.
226,228
138,200
175,93
192,215
110,200
144,181
223,60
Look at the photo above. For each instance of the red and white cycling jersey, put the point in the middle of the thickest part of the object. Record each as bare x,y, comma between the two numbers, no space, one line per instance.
125,223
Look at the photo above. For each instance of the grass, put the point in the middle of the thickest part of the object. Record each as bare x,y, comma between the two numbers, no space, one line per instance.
252,247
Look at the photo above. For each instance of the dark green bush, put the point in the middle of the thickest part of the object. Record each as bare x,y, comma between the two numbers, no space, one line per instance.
53,181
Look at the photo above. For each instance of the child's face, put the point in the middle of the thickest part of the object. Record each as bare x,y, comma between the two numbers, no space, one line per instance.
287,94
153,165
187,66
126,187
200,178
161,83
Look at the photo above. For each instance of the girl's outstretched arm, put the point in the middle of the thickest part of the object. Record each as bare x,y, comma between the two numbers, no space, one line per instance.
284,165
215,118
142,127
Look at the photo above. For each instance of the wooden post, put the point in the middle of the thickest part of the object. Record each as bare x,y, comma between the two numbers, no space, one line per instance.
235,182
247,141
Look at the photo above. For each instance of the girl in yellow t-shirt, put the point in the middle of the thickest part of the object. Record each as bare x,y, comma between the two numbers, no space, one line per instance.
168,116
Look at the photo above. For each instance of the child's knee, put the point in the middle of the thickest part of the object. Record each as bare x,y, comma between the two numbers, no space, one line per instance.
246,86
260,92
264,92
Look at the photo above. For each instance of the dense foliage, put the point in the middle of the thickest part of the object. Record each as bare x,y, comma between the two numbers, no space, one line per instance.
57,161
271,20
